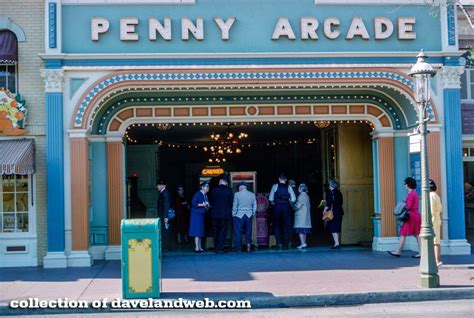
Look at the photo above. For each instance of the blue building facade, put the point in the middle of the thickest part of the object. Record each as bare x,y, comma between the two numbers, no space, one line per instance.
113,64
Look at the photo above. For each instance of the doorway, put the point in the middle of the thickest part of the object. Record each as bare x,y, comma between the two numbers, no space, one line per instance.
306,152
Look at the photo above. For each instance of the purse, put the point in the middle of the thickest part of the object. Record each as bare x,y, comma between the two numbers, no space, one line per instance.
404,216
328,215
401,212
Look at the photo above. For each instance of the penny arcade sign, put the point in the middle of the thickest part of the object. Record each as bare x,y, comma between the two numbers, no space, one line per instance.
245,27
308,28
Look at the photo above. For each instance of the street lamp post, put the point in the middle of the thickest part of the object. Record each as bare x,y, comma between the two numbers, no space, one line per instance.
421,72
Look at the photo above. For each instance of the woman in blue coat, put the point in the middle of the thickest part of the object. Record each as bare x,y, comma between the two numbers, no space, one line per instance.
199,206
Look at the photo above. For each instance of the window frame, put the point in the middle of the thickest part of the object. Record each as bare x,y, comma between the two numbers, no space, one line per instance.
470,152
16,77
31,233
469,83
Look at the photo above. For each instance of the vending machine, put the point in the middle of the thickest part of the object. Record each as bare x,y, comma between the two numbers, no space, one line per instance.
250,177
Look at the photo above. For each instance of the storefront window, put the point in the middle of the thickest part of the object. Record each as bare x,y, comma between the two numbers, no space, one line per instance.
8,60
14,203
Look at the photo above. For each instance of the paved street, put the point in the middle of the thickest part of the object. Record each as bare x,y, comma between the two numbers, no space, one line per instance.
437,309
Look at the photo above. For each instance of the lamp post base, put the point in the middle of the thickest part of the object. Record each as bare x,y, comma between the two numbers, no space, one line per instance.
429,281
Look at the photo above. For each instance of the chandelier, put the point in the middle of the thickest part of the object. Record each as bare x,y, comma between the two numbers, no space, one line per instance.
322,124
224,144
163,127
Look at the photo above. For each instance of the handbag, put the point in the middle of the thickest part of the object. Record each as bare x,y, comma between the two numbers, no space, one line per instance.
404,216
328,215
401,212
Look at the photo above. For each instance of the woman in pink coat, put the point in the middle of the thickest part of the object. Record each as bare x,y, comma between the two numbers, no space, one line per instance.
412,226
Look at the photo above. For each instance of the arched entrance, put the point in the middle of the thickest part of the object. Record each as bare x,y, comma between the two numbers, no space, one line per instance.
381,97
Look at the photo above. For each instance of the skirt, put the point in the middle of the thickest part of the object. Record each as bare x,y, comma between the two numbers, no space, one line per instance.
196,225
334,226
302,230
437,233
412,226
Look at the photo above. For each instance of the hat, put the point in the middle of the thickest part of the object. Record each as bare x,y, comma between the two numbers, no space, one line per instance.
282,177
161,181
243,183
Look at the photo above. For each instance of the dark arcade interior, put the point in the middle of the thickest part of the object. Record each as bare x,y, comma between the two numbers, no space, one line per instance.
296,149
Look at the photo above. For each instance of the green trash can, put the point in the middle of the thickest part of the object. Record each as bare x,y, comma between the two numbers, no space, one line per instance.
141,258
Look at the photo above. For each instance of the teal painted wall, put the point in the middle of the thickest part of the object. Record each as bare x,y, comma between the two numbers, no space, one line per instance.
99,219
401,166
251,32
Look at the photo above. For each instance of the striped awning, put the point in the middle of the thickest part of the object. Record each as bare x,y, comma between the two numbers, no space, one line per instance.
17,156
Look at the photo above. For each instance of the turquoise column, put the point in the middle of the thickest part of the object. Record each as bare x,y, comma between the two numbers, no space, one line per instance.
401,166
454,171
99,213
55,171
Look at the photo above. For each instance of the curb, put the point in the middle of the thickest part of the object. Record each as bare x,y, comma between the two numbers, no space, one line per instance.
344,299
262,302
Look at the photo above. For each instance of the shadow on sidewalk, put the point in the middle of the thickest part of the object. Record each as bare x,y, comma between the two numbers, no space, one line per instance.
233,267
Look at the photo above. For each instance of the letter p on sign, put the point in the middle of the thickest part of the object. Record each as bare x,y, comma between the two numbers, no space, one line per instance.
98,26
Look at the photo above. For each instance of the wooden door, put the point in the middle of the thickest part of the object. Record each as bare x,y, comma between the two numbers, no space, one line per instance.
356,180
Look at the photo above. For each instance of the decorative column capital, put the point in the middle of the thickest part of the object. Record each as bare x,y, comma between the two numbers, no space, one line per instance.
53,80
451,76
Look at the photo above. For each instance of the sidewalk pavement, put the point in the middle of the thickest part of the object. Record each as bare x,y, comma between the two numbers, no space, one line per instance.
269,279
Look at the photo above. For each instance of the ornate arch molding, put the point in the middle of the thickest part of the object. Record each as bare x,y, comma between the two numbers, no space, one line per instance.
209,115
193,107
7,24
99,93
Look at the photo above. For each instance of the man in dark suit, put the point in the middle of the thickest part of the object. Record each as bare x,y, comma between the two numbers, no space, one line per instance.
221,212
163,204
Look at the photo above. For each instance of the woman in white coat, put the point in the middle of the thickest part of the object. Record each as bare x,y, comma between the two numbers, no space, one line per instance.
436,219
303,215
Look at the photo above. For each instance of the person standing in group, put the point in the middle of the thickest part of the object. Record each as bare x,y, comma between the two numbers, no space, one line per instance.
436,216
281,197
163,205
292,184
303,215
199,206
182,215
413,225
334,201
221,212
243,209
